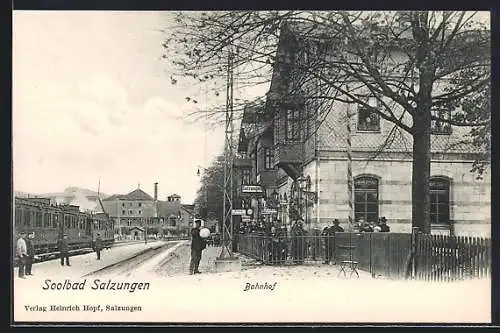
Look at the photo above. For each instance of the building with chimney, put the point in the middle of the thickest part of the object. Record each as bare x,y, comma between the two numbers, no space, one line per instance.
131,212
138,215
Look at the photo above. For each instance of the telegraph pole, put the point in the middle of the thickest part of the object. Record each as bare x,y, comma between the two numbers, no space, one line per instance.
227,203
226,261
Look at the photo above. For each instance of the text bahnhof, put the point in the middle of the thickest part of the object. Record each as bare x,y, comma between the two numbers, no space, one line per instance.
96,284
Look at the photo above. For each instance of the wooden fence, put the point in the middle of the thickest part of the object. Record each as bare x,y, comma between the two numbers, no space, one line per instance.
386,255
449,258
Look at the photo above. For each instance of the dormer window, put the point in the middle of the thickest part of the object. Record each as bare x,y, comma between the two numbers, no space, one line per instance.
368,121
245,177
441,127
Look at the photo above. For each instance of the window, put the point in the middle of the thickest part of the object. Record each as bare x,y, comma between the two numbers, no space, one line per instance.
439,188
268,159
172,221
440,127
55,221
292,124
47,221
73,222
38,219
131,212
123,204
124,212
19,216
140,212
139,204
368,121
27,218
67,221
245,177
366,199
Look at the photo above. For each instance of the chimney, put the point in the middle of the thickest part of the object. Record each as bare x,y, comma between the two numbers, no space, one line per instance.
156,192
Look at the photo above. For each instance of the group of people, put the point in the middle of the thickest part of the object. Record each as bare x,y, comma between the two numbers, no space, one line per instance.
379,226
25,251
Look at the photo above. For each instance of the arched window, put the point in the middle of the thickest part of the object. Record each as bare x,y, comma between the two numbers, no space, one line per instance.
439,188
366,198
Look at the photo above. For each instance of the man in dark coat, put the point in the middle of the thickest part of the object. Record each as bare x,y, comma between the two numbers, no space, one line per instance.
298,249
30,249
327,234
98,246
63,247
383,225
198,244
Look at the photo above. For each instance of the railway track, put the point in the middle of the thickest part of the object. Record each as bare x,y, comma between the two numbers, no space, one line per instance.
127,266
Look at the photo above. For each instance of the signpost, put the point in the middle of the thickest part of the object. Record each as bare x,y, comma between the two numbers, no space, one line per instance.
239,212
251,189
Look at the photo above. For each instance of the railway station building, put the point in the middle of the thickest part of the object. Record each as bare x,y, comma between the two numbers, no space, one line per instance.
297,152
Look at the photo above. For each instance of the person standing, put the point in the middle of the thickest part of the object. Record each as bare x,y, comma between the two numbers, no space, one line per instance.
98,246
30,249
297,235
198,244
63,247
383,225
21,253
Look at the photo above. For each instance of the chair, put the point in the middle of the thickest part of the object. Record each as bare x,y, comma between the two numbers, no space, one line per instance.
345,257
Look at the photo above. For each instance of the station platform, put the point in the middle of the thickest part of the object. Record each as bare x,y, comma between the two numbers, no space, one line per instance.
87,263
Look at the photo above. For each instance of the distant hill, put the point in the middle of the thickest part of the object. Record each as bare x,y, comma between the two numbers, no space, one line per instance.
84,198
75,191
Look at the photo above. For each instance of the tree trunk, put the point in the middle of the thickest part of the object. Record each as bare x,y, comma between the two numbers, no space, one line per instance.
421,172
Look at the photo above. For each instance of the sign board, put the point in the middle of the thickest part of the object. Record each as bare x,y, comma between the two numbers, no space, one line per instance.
251,189
269,211
238,212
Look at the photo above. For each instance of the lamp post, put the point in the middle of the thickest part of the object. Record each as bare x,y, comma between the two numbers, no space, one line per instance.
304,184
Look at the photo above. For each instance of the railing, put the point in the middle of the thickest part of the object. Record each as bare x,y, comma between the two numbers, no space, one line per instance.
387,255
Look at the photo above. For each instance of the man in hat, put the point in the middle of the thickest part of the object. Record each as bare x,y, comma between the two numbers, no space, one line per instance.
383,225
30,249
21,253
98,246
63,246
198,244
329,233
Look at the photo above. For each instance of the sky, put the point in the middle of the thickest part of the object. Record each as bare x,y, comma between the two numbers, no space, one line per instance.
92,100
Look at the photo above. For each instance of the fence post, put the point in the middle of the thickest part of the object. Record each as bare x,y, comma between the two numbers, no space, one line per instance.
411,266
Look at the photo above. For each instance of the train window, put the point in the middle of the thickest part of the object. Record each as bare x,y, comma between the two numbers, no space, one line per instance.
38,219
27,218
73,222
19,216
88,227
67,222
46,220
55,221
81,224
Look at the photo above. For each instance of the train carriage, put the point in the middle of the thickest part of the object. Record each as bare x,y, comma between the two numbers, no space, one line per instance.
49,222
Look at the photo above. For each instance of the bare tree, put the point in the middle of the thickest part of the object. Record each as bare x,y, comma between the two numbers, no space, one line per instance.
423,68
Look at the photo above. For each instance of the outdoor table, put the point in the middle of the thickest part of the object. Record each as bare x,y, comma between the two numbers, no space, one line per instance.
350,264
